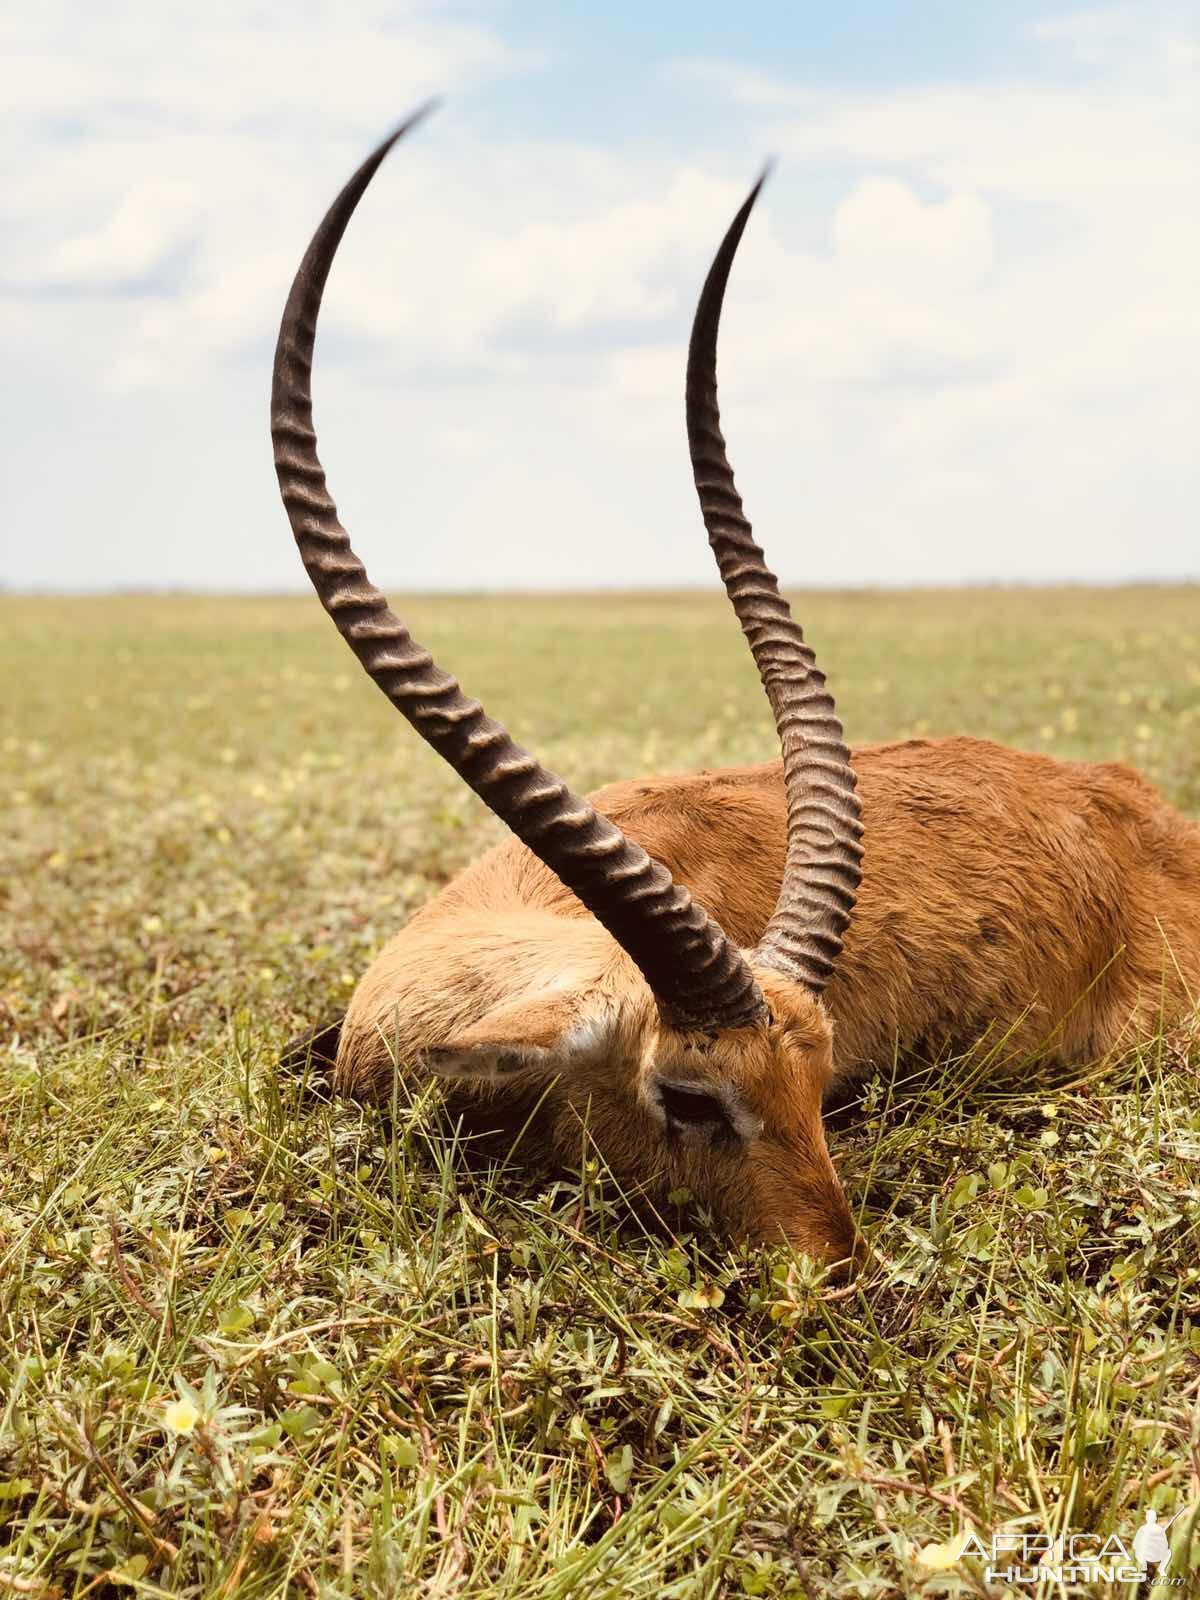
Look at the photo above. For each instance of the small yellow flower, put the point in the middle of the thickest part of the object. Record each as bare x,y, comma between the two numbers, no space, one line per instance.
703,1296
181,1416
940,1557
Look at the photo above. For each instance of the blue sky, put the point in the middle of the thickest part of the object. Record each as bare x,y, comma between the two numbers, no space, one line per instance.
609,69
962,340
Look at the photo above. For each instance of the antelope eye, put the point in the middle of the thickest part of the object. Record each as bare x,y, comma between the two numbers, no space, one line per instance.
692,1108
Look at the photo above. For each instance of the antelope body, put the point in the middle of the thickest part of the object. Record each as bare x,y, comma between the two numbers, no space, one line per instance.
1050,908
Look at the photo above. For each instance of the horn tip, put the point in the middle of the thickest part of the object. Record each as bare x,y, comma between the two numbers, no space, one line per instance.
768,167
413,120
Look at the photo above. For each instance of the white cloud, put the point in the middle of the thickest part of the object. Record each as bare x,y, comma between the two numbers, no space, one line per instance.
133,241
1163,37
883,224
129,65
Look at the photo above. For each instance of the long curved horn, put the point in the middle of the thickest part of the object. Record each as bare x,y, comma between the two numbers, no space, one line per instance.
822,868
698,977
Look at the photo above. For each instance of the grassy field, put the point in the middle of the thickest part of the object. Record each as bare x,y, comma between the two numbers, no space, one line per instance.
252,1343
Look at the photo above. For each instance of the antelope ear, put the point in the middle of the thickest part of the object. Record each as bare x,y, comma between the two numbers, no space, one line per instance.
538,1035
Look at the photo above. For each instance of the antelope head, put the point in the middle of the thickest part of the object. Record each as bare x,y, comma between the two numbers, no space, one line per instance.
699,1064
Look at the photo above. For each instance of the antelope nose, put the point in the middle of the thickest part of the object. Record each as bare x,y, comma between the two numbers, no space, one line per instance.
830,1226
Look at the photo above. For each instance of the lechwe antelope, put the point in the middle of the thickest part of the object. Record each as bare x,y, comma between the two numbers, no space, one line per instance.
663,963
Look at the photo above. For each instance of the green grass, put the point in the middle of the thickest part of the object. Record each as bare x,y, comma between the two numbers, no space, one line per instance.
407,1370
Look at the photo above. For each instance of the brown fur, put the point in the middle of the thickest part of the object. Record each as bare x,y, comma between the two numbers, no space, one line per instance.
1052,907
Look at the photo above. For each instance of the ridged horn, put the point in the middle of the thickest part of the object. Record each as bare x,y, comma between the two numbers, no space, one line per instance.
698,977
822,866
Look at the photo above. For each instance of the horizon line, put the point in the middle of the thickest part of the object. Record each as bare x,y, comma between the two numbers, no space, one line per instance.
933,585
